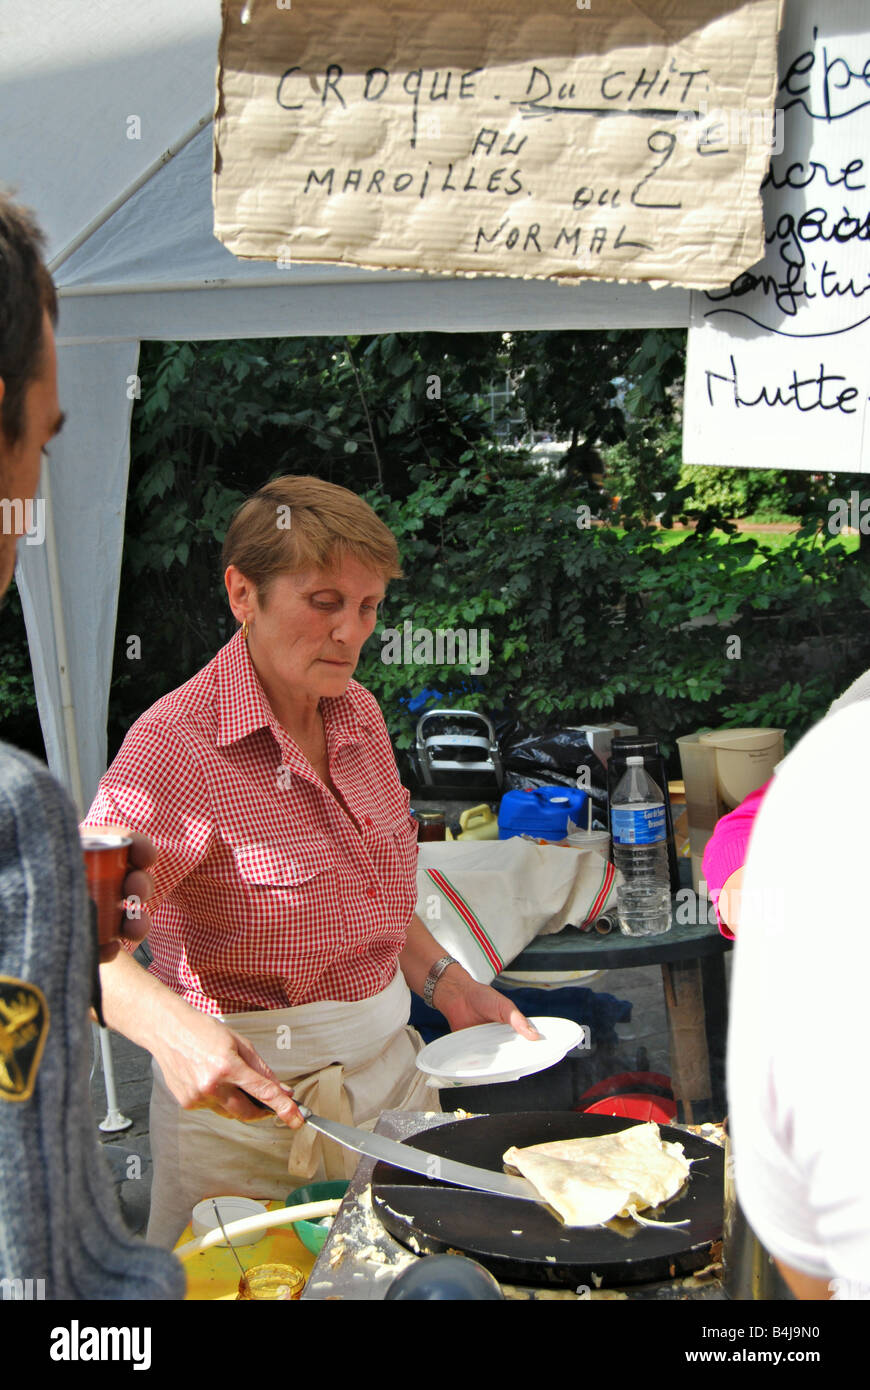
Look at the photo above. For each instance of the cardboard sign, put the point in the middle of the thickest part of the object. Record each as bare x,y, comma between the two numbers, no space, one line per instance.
604,139
779,364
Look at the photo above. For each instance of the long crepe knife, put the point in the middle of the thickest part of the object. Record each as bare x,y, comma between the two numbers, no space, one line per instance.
416,1161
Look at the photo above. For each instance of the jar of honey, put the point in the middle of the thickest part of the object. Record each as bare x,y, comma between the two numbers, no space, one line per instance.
275,1282
432,826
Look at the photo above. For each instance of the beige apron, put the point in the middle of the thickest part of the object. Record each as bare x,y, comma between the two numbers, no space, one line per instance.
346,1061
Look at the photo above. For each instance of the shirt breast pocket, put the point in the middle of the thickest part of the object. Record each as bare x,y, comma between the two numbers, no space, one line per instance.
291,898
297,866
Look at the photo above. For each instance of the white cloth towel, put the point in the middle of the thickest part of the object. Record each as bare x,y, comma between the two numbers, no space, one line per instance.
485,900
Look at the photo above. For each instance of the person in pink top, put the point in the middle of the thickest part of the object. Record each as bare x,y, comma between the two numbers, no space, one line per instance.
725,855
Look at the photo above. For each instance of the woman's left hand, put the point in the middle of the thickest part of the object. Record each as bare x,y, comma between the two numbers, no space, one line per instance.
465,1003
138,888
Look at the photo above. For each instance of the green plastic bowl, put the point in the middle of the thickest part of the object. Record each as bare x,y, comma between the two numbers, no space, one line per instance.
312,1235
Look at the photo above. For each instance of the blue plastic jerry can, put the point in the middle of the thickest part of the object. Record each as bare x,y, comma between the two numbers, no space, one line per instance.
542,812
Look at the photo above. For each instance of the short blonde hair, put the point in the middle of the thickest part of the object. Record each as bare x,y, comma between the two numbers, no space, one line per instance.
296,523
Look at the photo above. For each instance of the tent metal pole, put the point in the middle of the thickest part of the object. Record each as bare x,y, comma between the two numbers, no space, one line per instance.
253,282
74,774
112,207
114,1119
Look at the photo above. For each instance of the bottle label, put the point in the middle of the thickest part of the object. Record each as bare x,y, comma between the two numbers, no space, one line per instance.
638,825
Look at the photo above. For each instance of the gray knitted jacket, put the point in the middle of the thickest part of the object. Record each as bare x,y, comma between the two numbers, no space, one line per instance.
60,1220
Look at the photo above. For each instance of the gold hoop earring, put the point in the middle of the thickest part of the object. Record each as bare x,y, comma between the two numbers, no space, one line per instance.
245,630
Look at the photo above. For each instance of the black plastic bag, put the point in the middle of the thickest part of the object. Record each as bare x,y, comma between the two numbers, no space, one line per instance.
560,758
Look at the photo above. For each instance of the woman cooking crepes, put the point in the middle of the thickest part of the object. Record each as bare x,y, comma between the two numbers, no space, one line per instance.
284,938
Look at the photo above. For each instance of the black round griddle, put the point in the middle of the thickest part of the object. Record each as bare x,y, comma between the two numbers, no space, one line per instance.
526,1242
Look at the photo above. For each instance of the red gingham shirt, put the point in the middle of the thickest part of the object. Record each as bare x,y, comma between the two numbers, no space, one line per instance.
266,893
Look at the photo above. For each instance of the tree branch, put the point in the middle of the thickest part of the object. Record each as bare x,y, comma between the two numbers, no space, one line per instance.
366,410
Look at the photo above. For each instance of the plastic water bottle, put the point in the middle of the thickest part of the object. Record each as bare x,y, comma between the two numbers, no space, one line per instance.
640,851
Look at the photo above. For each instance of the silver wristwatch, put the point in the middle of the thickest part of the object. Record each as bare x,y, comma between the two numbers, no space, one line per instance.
434,976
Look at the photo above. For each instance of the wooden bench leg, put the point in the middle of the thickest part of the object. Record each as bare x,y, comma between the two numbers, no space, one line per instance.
690,1063
716,1014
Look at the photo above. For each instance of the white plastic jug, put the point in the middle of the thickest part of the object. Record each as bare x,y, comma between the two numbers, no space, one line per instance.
745,759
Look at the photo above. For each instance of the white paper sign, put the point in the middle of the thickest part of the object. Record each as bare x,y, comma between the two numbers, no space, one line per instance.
778,372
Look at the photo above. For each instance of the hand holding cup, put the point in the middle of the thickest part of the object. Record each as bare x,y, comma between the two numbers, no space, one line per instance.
115,860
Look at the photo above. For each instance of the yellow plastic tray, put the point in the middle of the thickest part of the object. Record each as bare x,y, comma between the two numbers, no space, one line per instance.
213,1274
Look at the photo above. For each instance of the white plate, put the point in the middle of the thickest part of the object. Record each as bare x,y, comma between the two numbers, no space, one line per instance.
203,1219
494,1052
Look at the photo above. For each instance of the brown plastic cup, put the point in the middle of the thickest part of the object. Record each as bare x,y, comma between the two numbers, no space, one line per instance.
106,851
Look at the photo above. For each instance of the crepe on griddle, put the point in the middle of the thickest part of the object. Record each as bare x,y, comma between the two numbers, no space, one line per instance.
589,1181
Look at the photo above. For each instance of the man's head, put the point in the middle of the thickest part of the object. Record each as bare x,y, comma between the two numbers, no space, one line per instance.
29,410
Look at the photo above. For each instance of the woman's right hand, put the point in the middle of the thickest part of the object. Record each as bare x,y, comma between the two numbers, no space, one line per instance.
206,1065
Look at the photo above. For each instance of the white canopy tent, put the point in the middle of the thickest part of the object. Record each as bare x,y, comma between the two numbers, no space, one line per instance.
105,131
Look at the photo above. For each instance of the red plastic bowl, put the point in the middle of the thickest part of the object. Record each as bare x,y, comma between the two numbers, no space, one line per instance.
628,1081
636,1107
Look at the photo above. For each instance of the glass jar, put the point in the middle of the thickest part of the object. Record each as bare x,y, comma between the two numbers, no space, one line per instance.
432,826
275,1282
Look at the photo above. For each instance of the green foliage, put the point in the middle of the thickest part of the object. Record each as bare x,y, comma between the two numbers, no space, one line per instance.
567,382
785,707
387,414
217,420
584,622
646,462
589,624
739,492
648,459
655,372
